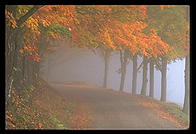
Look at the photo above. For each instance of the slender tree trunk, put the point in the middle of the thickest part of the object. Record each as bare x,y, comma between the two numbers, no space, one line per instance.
48,69
144,80
164,79
186,106
124,58
134,78
151,79
187,86
123,73
106,60
29,72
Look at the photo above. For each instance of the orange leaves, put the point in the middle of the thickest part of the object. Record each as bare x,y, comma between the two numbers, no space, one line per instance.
138,25
109,40
21,51
54,35
58,14
10,21
163,6
32,24
30,38
143,11
129,35
32,50
158,45
40,125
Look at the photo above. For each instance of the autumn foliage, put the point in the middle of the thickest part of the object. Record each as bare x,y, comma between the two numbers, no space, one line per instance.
137,29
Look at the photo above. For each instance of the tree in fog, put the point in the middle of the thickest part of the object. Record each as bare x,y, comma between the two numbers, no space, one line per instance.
25,24
144,77
186,106
170,24
105,54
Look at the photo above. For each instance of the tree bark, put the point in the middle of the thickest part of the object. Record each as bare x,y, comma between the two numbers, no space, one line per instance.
134,78
106,60
164,79
186,106
187,86
124,59
48,69
144,80
151,79
13,42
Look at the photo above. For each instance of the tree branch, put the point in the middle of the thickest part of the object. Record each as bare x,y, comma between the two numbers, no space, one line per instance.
158,66
121,59
140,66
28,14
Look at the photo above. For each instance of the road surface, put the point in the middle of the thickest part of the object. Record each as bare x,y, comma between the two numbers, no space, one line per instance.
110,110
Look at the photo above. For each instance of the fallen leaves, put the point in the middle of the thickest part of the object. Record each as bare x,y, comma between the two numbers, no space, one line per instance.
82,117
40,125
160,111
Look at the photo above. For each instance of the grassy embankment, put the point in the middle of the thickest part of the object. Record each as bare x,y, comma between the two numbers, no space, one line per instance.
40,108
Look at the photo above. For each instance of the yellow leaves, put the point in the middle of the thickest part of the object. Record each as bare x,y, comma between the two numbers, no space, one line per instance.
32,24
10,21
32,88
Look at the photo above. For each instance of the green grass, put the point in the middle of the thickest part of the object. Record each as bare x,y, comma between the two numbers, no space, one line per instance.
176,110
58,123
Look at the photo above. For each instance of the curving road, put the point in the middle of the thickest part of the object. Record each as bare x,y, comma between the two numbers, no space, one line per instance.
110,110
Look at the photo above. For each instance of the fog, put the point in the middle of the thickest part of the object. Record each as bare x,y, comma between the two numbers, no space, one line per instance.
79,64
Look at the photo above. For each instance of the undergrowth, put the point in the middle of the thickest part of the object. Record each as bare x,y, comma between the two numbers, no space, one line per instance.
24,113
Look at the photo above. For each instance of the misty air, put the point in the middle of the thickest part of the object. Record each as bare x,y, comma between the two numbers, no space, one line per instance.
97,67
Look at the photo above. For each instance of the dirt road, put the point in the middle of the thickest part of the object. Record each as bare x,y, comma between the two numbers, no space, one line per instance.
107,109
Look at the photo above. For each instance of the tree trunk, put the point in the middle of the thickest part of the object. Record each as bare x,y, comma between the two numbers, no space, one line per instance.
48,69
123,58
151,79
13,44
106,60
134,78
187,86
164,79
145,80
122,77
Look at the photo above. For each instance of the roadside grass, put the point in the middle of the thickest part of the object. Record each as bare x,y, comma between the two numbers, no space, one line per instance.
166,110
177,112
